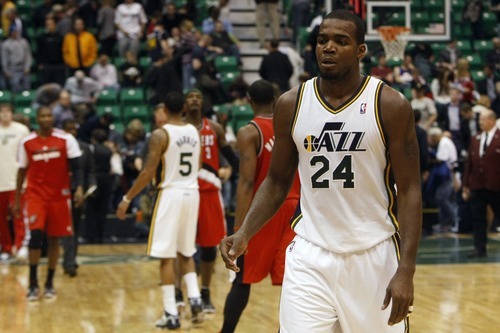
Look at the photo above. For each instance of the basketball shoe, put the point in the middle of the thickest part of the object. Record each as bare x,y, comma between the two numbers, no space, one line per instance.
196,310
206,302
168,321
49,292
33,294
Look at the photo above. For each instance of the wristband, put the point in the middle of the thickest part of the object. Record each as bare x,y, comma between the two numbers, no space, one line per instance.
126,200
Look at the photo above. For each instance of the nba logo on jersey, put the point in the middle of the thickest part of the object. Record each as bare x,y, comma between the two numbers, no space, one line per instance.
362,108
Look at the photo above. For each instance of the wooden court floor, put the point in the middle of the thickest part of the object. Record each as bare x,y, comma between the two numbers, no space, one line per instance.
117,290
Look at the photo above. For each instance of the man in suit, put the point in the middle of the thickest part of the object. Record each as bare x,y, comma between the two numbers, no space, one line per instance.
486,86
482,180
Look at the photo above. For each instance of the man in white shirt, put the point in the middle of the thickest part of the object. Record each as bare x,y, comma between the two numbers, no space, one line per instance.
442,175
11,133
105,73
426,106
130,21
83,89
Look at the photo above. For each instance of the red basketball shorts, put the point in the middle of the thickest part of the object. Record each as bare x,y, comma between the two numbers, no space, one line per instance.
211,220
52,217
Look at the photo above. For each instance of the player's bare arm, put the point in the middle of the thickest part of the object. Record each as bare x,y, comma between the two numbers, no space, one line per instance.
21,176
399,126
248,145
275,187
224,147
157,145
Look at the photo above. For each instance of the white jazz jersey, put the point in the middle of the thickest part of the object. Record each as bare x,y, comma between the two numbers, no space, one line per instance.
181,161
347,200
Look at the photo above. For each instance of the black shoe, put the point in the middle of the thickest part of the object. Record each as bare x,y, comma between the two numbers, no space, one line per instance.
70,271
206,303
477,254
33,293
196,310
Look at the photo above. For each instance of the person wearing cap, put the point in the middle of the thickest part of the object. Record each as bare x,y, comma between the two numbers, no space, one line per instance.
16,61
79,48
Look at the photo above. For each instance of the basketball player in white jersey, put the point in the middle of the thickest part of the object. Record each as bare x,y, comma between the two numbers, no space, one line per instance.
350,268
174,159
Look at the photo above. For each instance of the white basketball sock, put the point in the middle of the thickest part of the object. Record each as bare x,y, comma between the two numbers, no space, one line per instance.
191,280
169,299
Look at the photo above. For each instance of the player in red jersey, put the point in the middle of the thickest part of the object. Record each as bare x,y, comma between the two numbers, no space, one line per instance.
211,221
255,144
45,158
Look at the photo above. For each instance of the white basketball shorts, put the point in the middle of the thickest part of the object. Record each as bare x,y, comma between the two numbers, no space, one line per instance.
325,292
173,225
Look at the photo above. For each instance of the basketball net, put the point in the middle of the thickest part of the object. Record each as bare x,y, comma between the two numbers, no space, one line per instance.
393,39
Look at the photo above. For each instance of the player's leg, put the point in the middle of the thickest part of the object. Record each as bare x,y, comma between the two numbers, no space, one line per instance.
5,235
308,297
20,232
53,256
207,266
186,238
236,302
363,290
170,317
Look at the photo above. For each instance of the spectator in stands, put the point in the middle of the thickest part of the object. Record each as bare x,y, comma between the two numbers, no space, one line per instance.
98,203
296,60
208,83
423,58
382,71
493,57
47,94
464,81
130,21
276,67
171,19
450,55
486,86
226,41
300,16
495,104
63,110
163,78
428,112
208,24
190,10
106,27
449,118
267,9
469,125
16,62
6,5
158,41
16,21
130,72
79,48
184,50
41,12
83,89
95,122
473,13
63,16
441,178
482,181
403,75
422,147
105,73
440,86
49,55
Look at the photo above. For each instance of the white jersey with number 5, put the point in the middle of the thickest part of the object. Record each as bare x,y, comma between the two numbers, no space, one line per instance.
347,200
182,158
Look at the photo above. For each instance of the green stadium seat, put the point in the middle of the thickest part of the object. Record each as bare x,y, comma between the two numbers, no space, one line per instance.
136,112
225,64
24,98
144,63
241,115
477,75
118,61
490,22
114,110
436,17
107,97
434,5
396,19
483,47
464,46
475,62
147,126
131,96
23,7
5,96
118,127
27,111
437,47
457,5
228,78
420,18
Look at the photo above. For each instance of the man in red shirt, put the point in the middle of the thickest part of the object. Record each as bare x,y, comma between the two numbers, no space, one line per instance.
211,221
45,157
255,144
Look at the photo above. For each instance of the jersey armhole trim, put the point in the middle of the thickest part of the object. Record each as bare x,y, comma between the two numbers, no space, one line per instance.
378,113
298,102
261,137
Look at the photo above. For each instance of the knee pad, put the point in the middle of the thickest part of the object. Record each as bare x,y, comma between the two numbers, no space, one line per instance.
208,254
36,239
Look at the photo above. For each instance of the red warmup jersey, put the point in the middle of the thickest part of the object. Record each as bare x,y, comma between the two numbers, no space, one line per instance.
208,179
46,160
266,132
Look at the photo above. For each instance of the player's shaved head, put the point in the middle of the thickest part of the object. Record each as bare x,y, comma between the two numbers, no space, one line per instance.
345,15
261,92
174,102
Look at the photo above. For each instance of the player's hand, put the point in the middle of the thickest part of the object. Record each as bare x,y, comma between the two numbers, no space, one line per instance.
231,248
78,197
224,173
400,290
121,212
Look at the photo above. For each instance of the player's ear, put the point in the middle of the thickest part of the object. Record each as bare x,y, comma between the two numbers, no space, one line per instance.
362,49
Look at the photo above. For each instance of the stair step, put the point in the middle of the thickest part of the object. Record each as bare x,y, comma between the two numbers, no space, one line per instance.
251,77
